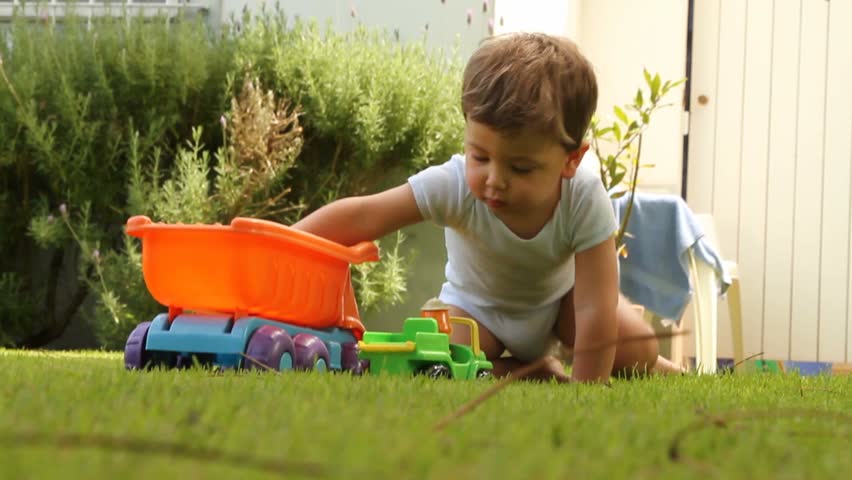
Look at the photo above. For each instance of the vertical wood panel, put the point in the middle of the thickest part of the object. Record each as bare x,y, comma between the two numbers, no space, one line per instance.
702,117
808,183
777,137
835,205
782,153
727,135
729,102
753,163
849,280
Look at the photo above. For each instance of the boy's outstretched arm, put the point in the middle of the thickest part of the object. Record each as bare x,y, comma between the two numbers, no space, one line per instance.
595,303
354,219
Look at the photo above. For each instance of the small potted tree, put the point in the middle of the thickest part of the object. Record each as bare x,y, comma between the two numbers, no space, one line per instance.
618,145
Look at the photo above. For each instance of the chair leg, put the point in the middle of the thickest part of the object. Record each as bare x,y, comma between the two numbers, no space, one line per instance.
735,312
675,351
706,318
677,346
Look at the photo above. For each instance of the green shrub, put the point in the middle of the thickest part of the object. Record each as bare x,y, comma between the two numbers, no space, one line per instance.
264,139
18,308
124,119
372,105
70,98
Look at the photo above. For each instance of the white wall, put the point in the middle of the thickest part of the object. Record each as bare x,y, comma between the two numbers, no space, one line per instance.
558,17
620,37
447,21
97,8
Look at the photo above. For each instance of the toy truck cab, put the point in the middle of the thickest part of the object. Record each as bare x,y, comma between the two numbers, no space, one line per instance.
422,348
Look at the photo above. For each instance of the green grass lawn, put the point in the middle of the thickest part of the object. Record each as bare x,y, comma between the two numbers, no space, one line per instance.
81,415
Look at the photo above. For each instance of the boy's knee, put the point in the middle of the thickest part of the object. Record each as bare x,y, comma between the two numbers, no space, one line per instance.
639,354
651,351
648,348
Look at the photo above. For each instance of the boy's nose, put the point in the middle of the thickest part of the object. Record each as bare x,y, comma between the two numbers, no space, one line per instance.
495,179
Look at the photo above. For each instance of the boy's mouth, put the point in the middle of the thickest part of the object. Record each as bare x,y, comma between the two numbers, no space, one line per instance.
495,203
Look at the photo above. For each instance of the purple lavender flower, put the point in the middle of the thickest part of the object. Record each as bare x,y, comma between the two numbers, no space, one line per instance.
469,15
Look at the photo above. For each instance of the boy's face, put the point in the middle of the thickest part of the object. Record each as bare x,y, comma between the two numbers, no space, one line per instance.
518,176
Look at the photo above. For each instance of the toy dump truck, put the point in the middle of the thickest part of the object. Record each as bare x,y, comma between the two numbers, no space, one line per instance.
424,347
252,294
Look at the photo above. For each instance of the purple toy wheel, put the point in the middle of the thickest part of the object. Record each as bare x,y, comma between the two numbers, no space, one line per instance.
311,353
349,359
135,356
269,347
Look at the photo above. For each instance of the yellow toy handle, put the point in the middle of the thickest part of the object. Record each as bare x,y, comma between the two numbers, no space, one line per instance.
474,331
387,347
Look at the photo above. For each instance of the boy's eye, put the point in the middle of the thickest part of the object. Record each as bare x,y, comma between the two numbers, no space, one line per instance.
521,170
479,158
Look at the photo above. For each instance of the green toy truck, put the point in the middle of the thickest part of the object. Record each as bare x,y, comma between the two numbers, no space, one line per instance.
422,348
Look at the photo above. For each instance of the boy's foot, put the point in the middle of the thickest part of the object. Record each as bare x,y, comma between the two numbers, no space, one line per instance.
664,366
552,368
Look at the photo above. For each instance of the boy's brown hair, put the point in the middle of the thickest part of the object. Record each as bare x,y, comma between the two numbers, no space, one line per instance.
531,81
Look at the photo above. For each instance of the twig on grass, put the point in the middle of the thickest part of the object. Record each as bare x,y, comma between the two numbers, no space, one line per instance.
258,362
803,389
523,372
728,419
758,354
511,377
140,446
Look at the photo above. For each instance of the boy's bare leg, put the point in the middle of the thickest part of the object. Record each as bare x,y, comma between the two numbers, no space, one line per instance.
631,357
493,349
631,323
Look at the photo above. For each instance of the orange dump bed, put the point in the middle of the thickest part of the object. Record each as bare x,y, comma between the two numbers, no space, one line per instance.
251,267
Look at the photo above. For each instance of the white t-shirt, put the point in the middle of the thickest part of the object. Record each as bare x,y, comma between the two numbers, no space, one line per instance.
490,263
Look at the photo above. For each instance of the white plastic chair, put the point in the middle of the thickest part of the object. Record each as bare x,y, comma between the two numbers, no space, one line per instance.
705,300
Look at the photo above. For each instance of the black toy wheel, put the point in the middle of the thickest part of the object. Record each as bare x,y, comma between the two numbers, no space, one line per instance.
485,373
311,353
436,370
269,347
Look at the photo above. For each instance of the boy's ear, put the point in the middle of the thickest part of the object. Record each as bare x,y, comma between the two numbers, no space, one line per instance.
573,159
